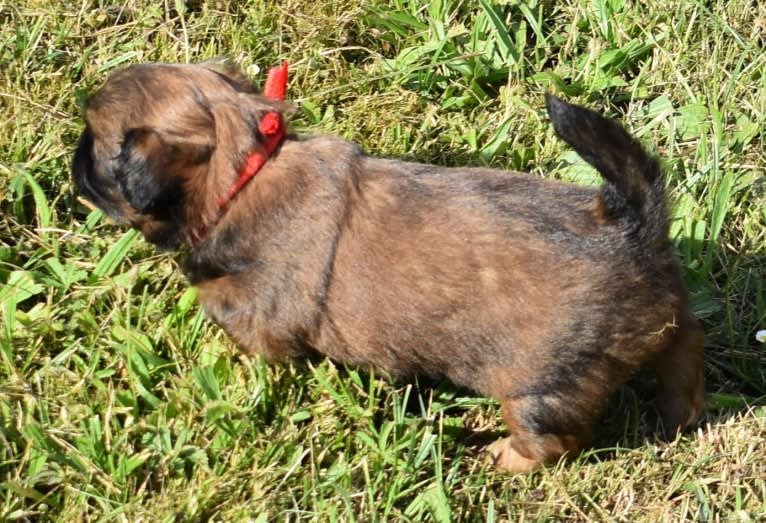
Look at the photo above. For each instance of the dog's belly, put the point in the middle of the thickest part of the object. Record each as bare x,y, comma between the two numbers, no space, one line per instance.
497,343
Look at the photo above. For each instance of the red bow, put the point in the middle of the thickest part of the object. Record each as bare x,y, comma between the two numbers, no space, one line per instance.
276,82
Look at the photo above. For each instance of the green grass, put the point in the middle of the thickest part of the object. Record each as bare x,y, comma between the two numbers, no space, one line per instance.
119,401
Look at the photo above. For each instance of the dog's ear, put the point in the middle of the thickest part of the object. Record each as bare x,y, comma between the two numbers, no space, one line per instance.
251,105
150,168
237,119
230,73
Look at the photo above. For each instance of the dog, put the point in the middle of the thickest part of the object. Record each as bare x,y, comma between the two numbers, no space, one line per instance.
544,295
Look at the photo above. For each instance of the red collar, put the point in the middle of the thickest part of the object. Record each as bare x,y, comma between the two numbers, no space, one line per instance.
272,129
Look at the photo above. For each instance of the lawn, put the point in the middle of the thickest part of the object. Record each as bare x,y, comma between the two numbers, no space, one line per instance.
119,401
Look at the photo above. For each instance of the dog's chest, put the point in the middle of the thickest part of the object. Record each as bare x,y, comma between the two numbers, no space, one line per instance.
260,320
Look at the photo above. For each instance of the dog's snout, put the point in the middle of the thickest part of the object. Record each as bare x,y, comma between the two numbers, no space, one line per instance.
83,162
89,183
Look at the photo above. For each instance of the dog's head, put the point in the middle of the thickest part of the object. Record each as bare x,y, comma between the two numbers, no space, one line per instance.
163,143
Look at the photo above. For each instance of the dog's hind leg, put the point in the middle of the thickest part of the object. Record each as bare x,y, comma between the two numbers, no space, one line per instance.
680,380
529,447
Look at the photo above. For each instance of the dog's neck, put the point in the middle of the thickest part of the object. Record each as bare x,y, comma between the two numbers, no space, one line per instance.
273,130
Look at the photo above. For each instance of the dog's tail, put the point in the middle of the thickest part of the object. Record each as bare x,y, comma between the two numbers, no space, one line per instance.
634,192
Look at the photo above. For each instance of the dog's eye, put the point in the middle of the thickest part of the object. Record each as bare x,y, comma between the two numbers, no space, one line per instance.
129,140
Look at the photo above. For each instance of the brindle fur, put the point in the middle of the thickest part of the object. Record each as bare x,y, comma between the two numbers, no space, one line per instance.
544,295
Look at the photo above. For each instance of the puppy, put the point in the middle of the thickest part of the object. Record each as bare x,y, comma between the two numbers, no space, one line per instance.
544,295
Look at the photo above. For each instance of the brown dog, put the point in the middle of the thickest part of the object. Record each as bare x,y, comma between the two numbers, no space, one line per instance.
544,295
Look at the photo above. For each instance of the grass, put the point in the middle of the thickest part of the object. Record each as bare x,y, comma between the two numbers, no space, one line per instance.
119,401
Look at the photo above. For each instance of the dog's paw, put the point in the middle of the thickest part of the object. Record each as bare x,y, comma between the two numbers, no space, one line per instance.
503,456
